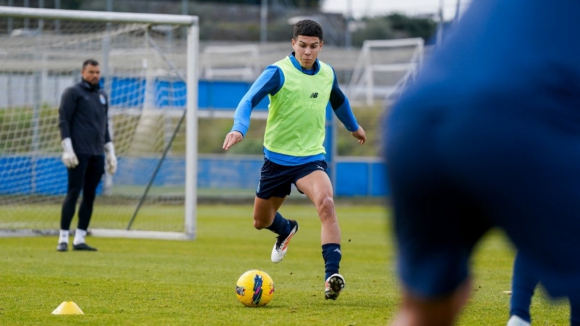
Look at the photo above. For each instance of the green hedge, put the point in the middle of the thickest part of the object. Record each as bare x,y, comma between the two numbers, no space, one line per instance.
16,135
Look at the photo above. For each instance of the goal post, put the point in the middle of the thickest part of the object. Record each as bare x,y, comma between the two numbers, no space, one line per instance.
149,65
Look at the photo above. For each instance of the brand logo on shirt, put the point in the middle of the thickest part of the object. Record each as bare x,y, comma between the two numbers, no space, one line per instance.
103,99
314,95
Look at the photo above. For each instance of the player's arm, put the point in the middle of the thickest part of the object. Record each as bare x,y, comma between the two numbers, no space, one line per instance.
341,108
107,133
269,82
65,113
110,156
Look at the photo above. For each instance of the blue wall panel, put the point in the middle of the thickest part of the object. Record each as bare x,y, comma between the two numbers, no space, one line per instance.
351,179
23,175
203,100
379,186
226,94
134,171
47,175
50,177
127,92
130,93
15,175
170,93
229,173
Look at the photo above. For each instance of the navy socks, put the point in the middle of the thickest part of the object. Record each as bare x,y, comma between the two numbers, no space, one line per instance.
523,286
330,251
280,225
332,255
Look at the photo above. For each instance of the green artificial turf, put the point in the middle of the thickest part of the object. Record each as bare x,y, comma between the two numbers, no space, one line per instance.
162,282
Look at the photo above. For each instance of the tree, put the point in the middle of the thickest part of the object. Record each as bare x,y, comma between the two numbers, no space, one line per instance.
412,26
248,2
374,29
393,26
314,4
66,4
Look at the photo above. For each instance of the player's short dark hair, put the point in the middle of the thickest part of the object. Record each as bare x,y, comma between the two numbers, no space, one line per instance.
91,62
307,27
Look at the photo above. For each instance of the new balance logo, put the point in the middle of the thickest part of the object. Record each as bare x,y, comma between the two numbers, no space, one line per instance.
314,95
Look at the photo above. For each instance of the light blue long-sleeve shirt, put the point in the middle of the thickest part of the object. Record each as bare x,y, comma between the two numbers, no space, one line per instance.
269,83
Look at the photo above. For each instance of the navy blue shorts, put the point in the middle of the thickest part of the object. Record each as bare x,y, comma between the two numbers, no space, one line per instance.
489,136
276,180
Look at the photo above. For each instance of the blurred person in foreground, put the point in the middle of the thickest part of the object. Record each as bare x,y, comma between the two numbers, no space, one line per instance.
489,136
524,284
299,87
84,130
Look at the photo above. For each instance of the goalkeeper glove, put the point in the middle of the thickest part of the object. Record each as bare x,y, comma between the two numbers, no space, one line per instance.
69,158
111,158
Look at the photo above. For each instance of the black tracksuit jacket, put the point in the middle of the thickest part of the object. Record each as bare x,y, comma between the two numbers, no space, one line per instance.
83,117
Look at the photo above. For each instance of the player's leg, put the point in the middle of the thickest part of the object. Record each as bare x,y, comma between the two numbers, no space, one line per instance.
95,171
436,218
266,214
417,311
574,312
523,286
74,187
317,187
275,185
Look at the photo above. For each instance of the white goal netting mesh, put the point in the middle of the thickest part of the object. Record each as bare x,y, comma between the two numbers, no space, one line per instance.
143,68
383,69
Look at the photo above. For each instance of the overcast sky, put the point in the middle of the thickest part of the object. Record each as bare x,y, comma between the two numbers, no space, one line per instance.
362,8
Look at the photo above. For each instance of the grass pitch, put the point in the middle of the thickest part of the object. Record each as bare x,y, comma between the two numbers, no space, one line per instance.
155,282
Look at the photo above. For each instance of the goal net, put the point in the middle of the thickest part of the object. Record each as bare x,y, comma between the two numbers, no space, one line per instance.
231,62
148,69
383,69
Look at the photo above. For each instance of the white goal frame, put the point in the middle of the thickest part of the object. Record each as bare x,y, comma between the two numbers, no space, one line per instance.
192,25
362,81
248,69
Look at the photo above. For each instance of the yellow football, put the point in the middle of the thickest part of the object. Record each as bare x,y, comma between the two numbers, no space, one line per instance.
255,288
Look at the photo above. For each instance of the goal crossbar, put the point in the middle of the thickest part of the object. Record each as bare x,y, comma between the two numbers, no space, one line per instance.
109,17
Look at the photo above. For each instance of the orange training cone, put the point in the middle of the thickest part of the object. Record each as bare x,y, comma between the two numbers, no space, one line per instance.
68,308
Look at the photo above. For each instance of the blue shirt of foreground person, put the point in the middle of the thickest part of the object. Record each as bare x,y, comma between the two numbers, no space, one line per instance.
489,136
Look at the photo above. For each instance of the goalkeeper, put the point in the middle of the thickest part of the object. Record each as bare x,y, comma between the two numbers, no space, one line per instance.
84,130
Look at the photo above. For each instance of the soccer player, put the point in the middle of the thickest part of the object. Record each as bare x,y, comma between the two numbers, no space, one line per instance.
523,285
84,130
299,87
489,136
